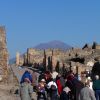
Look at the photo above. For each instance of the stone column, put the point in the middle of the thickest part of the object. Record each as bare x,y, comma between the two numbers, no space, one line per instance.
17,58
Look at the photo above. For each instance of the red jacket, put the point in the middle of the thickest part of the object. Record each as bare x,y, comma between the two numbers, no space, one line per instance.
60,88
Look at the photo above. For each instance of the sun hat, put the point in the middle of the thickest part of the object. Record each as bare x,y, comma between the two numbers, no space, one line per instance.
43,80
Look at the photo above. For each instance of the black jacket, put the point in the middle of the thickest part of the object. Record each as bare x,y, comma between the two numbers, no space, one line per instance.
64,96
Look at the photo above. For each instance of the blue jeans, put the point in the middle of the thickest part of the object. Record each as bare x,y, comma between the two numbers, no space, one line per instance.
97,94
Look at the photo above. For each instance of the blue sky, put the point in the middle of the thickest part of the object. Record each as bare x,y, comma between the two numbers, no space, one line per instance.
30,22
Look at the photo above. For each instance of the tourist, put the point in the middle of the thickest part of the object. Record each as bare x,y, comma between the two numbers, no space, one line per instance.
96,87
26,74
86,93
52,87
41,90
59,85
62,80
26,89
65,94
75,85
90,83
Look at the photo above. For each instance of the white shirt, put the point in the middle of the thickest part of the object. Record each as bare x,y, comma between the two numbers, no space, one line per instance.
54,75
91,84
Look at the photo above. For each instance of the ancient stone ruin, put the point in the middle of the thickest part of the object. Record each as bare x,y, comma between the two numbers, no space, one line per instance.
3,54
77,60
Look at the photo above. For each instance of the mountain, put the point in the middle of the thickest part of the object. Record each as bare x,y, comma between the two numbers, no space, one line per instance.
53,45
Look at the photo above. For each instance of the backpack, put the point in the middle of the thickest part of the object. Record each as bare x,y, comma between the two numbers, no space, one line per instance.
53,87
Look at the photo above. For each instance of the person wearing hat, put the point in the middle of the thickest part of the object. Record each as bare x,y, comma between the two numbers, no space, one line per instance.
41,89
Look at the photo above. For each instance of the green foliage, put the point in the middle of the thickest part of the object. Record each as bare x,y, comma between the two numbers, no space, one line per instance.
50,64
44,61
94,45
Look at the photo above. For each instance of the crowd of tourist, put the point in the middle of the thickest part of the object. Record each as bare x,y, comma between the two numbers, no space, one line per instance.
60,87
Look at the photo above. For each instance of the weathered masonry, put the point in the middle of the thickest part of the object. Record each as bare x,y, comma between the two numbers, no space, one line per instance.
3,54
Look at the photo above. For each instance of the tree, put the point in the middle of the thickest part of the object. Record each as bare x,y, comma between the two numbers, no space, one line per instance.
50,64
94,45
44,61
85,46
57,67
76,55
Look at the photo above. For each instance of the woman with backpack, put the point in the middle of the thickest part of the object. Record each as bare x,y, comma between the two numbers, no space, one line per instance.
52,86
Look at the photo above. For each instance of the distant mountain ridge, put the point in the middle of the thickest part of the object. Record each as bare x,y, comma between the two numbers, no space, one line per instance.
53,45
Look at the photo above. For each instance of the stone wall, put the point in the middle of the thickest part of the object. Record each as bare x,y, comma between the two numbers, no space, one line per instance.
76,55
98,47
3,53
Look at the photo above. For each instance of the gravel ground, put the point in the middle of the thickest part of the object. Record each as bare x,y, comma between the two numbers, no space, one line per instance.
7,93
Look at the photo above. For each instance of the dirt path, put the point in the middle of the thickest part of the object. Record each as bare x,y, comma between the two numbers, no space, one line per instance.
6,93
7,89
